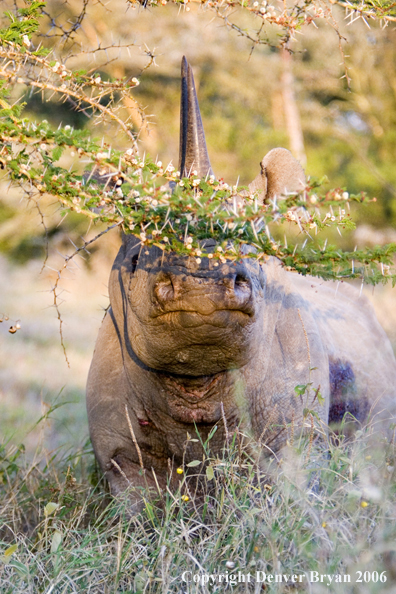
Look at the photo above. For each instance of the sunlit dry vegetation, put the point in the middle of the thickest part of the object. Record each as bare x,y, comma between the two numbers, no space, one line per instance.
322,508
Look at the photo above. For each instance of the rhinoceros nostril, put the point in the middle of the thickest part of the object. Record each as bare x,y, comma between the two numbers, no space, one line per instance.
241,281
242,289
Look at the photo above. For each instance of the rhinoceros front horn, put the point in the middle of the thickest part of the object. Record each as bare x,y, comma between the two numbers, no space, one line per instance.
193,152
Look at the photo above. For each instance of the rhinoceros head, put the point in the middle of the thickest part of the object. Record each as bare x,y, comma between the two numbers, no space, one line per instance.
182,317
186,318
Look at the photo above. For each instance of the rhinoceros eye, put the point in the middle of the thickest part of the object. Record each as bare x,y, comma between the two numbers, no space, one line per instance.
134,262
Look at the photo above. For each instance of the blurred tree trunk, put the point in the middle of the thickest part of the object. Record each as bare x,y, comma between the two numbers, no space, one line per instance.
292,115
277,110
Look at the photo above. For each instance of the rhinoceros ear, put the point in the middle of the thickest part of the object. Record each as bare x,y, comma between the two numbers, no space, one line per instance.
280,174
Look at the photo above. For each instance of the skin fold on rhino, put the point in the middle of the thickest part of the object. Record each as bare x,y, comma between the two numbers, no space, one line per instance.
185,346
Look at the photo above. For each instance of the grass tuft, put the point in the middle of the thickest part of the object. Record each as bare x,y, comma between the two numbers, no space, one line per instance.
324,507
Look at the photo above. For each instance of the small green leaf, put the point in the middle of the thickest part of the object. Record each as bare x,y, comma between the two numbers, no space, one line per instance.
21,568
56,540
9,552
50,508
57,153
301,389
149,510
308,411
212,432
354,494
209,473
194,463
140,582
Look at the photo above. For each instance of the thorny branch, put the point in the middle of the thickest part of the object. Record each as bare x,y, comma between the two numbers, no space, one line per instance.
65,34
376,12
42,220
70,87
54,288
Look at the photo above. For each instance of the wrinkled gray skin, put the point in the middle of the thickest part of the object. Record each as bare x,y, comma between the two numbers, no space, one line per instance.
183,341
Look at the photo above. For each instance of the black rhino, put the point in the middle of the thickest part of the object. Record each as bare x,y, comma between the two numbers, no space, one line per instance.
188,345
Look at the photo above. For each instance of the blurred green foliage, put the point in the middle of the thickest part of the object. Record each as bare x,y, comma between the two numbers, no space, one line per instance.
348,128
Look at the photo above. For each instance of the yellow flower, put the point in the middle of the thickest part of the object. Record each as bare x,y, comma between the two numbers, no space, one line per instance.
179,470
363,504
185,497
324,524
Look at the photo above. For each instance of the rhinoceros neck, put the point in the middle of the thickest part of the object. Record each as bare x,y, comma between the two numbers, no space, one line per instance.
198,399
178,406
186,399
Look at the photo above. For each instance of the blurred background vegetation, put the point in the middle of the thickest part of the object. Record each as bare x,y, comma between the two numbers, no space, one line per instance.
348,134
344,131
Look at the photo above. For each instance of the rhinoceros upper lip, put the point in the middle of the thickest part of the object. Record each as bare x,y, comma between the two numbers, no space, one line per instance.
246,312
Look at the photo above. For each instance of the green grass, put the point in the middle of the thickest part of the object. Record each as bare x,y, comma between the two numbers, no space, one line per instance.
323,507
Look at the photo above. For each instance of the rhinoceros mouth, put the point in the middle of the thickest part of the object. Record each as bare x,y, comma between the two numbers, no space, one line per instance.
221,318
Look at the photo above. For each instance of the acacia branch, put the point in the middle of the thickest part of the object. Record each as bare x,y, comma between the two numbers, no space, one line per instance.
365,10
54,289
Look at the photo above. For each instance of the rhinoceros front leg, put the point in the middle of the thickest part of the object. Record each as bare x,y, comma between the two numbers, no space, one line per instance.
126,478
117,438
